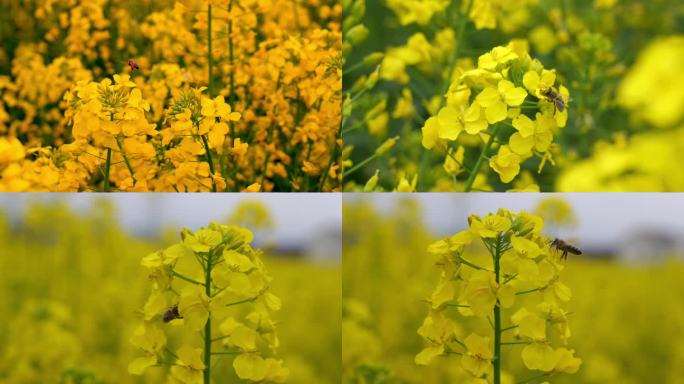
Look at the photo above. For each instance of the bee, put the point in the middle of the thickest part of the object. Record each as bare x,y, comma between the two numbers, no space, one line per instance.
554,97
171,314
133,65
565,248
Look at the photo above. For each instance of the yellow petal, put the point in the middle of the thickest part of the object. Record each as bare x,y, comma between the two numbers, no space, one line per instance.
543,141
539,356
496,112
250,366
430,133
531,81
520,145
476,127
273,302
547,79
139,365
515,96
524,125
533,326
208,108
449,124
443,293
489,96
427,354
190,357
237,262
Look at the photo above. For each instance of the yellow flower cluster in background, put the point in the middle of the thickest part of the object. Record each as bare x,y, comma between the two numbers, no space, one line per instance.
653,91
273,71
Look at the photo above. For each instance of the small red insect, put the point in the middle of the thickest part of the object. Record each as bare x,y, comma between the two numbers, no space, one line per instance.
133,65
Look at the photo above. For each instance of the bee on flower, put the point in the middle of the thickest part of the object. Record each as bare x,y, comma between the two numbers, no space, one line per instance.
491,286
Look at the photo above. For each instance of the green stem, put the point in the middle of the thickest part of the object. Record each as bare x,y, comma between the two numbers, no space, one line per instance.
480,159
472,265
528,291
353,67
353,127
240,302
108,165
359,165
354,98
264,168
497,317
128,164
533,378
209,56
189,280
219,338
509,278
514,342
207,326
231,96
210,161
509,328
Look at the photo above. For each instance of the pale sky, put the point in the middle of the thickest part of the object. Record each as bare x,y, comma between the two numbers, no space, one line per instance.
298,216
604,218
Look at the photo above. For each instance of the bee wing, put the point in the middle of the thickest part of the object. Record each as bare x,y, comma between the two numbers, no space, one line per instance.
574,243
560,104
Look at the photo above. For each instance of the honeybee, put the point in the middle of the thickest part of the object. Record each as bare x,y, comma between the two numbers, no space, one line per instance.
171,314
133,65
565,248
554,97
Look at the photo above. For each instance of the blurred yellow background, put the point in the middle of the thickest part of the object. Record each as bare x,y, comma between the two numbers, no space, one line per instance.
626,313
72,288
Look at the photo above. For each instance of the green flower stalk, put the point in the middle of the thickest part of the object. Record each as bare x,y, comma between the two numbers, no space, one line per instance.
516,277
202,285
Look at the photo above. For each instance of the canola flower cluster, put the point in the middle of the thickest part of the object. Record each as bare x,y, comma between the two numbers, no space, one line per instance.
519,261
268,74
197,286
380,339
495,94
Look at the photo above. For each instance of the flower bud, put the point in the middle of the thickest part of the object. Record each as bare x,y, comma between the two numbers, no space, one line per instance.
357,34
347,107
373,59
372,182
358,9
372,80
386,146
